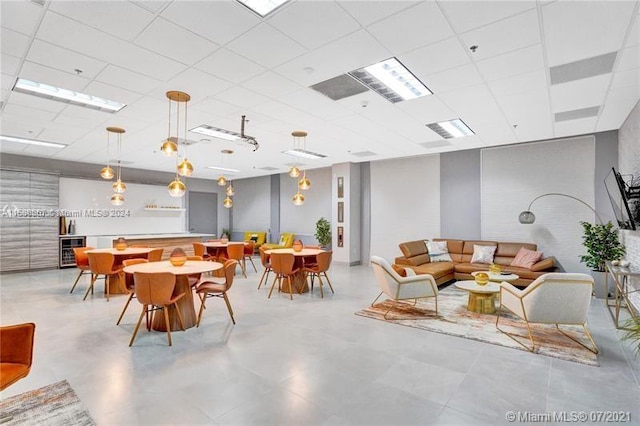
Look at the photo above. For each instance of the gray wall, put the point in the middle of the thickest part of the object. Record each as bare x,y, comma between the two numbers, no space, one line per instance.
606,158
460,194
252,205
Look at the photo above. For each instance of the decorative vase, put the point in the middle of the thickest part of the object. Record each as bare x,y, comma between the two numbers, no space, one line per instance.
178,257
297,245
224,240
495,269
121,244
482,278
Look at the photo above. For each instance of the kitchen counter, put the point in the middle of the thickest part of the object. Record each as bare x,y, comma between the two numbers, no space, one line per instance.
167,241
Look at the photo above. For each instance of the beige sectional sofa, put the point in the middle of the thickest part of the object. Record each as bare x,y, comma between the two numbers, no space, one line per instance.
416,257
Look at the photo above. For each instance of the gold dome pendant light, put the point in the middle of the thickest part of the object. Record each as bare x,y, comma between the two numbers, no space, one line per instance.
294,172
300,143
230,191
118,186
117,199
177,188
227,203
169,147
222,181
298,199
304,183
107,172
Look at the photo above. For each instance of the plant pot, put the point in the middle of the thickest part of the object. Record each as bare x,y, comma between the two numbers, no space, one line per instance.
600,285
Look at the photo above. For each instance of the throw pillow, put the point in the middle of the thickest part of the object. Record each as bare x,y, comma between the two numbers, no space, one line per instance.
399,269
483,254
526,258
283,240
438,251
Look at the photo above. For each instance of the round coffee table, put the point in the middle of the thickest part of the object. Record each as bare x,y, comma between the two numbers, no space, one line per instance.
481,297
499,277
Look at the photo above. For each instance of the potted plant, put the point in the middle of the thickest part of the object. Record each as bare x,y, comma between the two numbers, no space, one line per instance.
226,234
632,333
323,232
602,244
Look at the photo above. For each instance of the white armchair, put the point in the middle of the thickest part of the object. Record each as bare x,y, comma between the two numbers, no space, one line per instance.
402,288
555,298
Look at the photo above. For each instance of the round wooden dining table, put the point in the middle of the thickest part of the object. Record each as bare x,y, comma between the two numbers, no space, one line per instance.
299,283
115,286
215,248
185,304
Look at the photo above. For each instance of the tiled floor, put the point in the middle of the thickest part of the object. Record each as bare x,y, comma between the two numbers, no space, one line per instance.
309,361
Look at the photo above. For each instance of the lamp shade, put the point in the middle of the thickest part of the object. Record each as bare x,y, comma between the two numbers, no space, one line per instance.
106,173
298,199
527,217
294,172
119,187
230,190
222,181
117,199
185,168
227,203
304,183
169,148
177,188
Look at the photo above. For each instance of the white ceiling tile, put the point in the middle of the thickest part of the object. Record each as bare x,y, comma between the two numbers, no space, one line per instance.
534,129
428,109
495,133
20,16
627,78
37,102
633,37
466,15
12,147
421,25
580,30
79,116
619,104
629,58
122,77
521,107
271,84
113,93
472,103
584,93
197,83
53,56
13,43
175,42
436,57
9,65
61,133
368,12
53,77
219,21
7,82
531,81
154,6
40,151
312,33
147,108
523,31
266,46
215,107
452,79
241,97
511,64
27,113
575,127
229,66
21,124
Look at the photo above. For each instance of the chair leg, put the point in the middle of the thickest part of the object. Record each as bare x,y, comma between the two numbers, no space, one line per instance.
512,336
273,285
107,285
329,282
253,264
264,273
243,268
179,316
165,311
144,311
90,288
76,281
290,287
203,299
226,300
126,305
593,348
376,299
389,310
320,281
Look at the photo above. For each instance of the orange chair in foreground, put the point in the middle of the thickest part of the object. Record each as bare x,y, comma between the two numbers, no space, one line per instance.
319,270
217,287
102,264
282,265
129,284
16,352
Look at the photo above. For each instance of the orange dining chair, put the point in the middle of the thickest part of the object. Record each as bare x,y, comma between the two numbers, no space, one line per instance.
16,352
320,269
310,261
266,264
217,287
235,251
282,266
102,264
200,250
129,284
153,291
82,263
155,255
249,248
194,278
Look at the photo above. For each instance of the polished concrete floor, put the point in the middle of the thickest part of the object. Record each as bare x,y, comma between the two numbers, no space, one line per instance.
309,361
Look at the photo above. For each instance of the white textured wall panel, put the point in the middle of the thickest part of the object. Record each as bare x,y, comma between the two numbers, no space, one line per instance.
252,204
629,144
513,176
405,203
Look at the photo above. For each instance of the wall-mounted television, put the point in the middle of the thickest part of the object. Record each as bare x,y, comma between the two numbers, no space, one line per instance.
625,199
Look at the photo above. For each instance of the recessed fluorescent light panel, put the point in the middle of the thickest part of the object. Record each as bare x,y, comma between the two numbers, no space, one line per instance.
303,153
66,95
451,129
263,7
216,132
223,169
31,142
392,80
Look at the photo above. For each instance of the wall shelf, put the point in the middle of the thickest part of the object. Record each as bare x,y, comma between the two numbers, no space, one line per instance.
164,209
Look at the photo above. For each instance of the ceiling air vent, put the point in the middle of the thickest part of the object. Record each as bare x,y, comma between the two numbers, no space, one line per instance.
339,87
584,68
268,168
363,154
577,113
434,144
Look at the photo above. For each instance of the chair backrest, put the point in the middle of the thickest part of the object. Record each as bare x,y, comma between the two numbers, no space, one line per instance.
388,279
264,258
282,263
235,250
154,288
129,277
230,271
324,260
249,246
194,258
17,343
155,255
81,257
199,249
558,298
100,263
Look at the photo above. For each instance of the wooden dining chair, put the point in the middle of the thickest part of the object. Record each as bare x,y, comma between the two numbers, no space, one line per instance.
16,353
319,269
217,287
200,250
153,292
266,264
282,266
235,251
102,264
249,248
129,284
194,278
155,255
82,263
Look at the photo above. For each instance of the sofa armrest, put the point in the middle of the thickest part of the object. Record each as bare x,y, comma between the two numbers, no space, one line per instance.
402,261
543,265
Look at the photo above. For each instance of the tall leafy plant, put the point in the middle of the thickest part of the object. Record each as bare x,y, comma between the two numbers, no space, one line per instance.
602,244
323,232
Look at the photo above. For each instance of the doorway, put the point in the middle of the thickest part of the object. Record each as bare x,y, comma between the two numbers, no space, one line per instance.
203,212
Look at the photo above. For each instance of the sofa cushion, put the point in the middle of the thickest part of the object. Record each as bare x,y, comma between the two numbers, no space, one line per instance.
437,269
438,251
467,249
544,265
399,270
468,268
455,248
526,258
421,259
413,248
483,254
507,251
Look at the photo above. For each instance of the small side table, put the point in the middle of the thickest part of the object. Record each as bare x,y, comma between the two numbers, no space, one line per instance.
498,277
623,289
481,297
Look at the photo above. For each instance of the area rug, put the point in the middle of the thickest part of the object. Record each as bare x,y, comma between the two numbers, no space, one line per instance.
55,404
454,319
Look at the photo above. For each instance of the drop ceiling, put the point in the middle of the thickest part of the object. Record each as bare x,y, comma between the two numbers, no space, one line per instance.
234,63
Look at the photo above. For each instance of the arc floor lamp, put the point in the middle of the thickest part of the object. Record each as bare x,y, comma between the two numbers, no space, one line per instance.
527,217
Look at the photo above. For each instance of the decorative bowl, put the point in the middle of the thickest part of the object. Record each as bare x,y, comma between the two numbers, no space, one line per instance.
178,260
482,278
297,246
496,269
224,240
120,244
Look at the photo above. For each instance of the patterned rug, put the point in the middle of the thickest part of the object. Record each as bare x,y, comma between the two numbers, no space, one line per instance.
454,319
55,404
